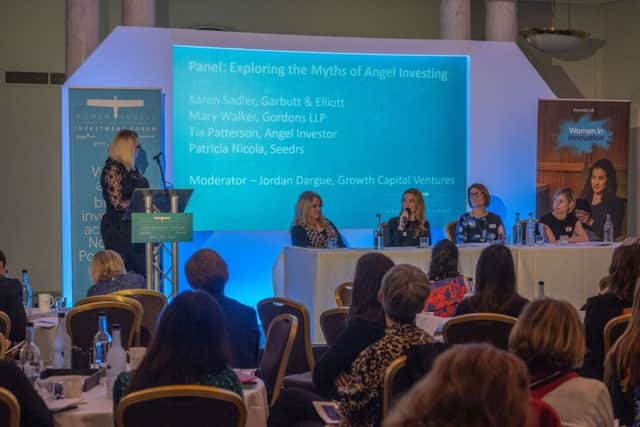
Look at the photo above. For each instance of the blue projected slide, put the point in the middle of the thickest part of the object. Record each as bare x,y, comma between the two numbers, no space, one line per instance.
252,129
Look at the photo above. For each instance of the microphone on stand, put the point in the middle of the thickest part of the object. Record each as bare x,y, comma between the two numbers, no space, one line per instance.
157,156
157,159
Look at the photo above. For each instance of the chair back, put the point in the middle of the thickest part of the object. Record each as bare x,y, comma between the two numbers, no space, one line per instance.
491,328
9,409
153,302
281,337
301,359
333,322
614,330
5,324
450,230
181,405
389,392
123,299
344,294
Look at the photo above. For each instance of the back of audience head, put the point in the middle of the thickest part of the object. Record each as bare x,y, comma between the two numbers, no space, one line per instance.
548,337
470,385
370,270
444,261
207,270
190,342
405,288
495,279
624,270
624,357
105,265
3,264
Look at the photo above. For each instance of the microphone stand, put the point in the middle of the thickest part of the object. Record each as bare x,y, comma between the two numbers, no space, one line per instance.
157,159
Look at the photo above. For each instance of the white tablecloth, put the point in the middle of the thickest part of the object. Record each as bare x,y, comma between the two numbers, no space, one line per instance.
98,411
570,272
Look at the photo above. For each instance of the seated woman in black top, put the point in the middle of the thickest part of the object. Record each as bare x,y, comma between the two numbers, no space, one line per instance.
411,225
495,285
479,225
310,228
561,223
365,325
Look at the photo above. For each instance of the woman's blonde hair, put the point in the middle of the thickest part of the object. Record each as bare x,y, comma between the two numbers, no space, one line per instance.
548,336
470,385
123,148
303,206
106,264
623,360
420,207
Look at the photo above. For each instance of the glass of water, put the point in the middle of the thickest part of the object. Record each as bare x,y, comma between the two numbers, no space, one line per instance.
424,242
332,243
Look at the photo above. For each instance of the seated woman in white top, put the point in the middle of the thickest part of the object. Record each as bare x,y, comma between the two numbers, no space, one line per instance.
549,338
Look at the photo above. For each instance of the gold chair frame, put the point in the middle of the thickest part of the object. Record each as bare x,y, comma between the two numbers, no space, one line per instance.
338,292
118,298
129,293
306,324
608,330
474,317
330,312
389,378
277,386
9,399
190,390
7,321
101,305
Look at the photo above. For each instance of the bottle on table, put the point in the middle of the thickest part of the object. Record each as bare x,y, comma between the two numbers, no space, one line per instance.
531,230
58,346
116,359
541,289
517,230
608,229
378,234
30,356
27,292
470,289
101,342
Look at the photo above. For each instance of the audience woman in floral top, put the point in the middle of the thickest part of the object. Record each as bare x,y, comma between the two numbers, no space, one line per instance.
447,284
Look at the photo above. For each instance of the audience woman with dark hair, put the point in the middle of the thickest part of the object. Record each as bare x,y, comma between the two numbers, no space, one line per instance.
617,299
11,302
405,289
561,222
495,285
206,270
407,228
190,347
479,225
447,284
310,227
549,338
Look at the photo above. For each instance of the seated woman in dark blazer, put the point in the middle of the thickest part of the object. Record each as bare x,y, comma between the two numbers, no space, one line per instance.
479,225
411,225
310,228
495,285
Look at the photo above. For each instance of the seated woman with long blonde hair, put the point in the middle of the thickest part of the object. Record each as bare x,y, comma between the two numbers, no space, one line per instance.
407,228
310,227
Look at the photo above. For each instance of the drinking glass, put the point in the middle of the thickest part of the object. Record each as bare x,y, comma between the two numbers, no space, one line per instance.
424,242
332,243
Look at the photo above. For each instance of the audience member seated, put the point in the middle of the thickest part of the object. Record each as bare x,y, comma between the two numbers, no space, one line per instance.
622,370
495,285
549,338
33,410
109,275
469,385
365,325
561,222
207,270
479,225
190,347
614,301
447,284
404,292
407,228
310,228
11,302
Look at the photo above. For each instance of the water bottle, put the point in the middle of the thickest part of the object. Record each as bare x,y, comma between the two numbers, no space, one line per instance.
58,344
30,356
27,292
531,230
540,289
517,230
608,229
378,234
470,289
101,342
116,360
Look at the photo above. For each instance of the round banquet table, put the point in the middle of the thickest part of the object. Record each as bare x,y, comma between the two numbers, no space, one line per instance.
98,410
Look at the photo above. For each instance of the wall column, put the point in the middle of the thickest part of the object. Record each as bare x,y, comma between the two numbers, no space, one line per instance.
502,20
82,32
455,19
139,13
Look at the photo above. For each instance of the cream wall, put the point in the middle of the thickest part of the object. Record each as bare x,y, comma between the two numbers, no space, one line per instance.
32,39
